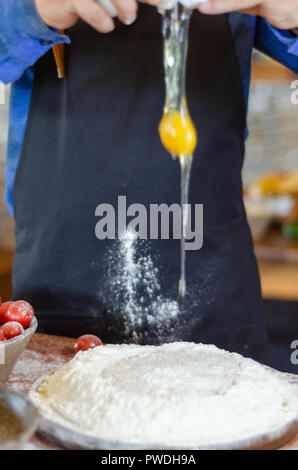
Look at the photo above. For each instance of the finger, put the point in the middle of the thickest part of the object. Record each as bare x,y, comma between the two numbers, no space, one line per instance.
217,7
93,14
255,11
126,10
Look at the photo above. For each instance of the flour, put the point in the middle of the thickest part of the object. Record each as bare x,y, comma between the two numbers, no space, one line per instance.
32,364
135,291
178,394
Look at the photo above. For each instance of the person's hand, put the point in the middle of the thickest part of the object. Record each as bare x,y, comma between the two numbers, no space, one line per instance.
62,14
282,14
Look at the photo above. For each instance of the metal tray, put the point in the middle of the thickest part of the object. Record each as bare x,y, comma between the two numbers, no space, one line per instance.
63,433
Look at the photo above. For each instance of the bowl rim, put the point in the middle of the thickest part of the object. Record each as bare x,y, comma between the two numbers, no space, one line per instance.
28,332
28,431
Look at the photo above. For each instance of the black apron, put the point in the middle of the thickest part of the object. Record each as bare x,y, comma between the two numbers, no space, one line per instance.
92,137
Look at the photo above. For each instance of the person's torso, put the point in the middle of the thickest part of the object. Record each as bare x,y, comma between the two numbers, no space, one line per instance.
92,138
242,27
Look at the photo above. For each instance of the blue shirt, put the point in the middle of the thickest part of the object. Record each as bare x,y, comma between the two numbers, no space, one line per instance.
24,38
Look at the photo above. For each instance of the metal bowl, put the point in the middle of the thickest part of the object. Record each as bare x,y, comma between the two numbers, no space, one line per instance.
11,350
65,434
18,420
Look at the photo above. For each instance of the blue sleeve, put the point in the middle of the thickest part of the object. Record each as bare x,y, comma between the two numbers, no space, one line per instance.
279,44
24,38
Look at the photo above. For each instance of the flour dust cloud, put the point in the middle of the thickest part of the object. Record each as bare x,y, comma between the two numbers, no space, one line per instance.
134,290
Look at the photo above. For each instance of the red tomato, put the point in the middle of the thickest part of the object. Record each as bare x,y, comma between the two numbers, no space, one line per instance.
87,342
2,337
12,329
3,310
21,312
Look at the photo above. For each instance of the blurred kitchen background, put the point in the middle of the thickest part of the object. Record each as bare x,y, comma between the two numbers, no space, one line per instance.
270,178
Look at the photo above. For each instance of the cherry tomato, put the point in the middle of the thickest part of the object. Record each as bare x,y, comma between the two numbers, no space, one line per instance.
87,342
3,310
2,337
12,329
21,312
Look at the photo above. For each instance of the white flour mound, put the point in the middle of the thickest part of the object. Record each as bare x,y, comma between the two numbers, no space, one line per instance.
178,394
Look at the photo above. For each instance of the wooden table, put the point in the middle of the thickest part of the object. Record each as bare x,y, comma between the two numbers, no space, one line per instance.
43,354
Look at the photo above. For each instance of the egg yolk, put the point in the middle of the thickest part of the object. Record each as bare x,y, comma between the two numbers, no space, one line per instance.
177,133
